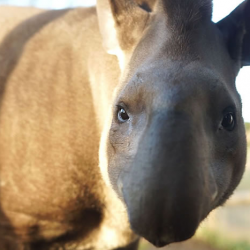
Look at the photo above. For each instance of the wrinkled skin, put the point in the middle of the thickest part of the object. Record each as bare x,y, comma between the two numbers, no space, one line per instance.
118,122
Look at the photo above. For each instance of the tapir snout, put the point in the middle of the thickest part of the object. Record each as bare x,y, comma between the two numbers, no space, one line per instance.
168,187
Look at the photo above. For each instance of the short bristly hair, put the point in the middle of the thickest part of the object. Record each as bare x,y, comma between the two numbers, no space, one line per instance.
183,19
185,14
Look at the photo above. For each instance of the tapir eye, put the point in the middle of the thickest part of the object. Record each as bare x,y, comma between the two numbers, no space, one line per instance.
228,121
122,115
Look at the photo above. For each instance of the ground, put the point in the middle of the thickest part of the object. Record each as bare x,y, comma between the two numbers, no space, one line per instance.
192,244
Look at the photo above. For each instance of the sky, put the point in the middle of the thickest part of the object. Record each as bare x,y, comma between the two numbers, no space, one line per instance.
221,9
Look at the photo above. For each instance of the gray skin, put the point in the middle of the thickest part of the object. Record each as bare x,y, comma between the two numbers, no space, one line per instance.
118,122
174,157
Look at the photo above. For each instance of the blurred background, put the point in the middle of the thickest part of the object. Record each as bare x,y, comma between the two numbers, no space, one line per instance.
227,228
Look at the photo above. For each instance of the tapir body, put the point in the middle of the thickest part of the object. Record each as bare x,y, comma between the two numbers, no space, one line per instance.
118,122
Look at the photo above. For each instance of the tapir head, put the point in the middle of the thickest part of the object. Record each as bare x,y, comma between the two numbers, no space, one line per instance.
174,147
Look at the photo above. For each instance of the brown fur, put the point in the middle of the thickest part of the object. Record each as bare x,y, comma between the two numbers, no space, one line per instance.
63,155
53,108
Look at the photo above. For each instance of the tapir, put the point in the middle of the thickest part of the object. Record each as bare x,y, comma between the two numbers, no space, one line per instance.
118,122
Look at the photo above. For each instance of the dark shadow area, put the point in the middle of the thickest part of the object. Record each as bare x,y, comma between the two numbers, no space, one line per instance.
7,235
90,218
10,54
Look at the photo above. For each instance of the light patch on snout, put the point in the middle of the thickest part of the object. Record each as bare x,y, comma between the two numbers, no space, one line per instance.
214,194
103,152
115,231
213,186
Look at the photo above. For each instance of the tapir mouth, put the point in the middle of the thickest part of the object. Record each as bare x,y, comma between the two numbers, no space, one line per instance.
164,240
162,223
162,226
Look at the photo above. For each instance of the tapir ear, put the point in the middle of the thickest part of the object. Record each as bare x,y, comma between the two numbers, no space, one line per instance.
121,23
236,30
